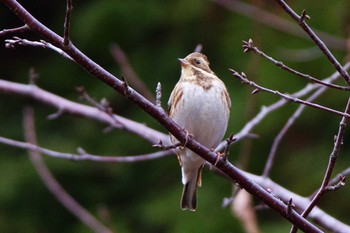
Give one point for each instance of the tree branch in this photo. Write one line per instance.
(278, 23)
(242, 77)
(97, 71)
(248, 46)
(302, 23)
(52, 184)
(331, 163)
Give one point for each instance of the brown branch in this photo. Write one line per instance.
(14, 31)
(285, 128)
(15, 41)
(69, 10)
(70, 107)
(83, 155)
(242, 77)
(127, 70)
(248, 46)
(94, 69)
(329, 223)
(278, 23)
(331, 163)
(301, 21)
(52, 184)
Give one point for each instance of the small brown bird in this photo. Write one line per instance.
(201, 105)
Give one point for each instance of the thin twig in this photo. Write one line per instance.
(69, 107)
(242, 77)
(277, 22)
(84, 156)
(285, 129)
(336, 179)
(249, 46)
(52, 184)
(14, 31)
(198, 48)
(301, 21)
(128, 71)
(331, 163)
(179, 133)
(103, 105)
(15, 41)
(69, 10)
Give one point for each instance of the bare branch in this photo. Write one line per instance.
(301, 21)
(14, 31)
(278, 23)
(242, 77)
(69, 10)
(52, 184)
(285, 129)
(12, 43)
(180, 134)
(331, 163)
(84, 156)
(127, 70)
(248, 46)
(69, 107)
(317, 215)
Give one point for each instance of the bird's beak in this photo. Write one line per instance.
(184, 62)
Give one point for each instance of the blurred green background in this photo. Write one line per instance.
(144, 197)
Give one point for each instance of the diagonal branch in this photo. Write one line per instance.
(277, 22)
(248, 46)
(98, 72)
(331, 163)
(293, 99)
(301, 21)
(52, 184)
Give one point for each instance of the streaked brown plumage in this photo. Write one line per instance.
(201, 105)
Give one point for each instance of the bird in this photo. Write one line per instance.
(200, 104)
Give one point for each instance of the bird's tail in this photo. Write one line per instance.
(189, 192)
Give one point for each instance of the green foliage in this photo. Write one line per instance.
(144, 197)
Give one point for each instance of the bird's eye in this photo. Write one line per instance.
(198, 62)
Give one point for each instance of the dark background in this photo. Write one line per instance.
(144, 197)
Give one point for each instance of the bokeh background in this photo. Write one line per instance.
(144, 197)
